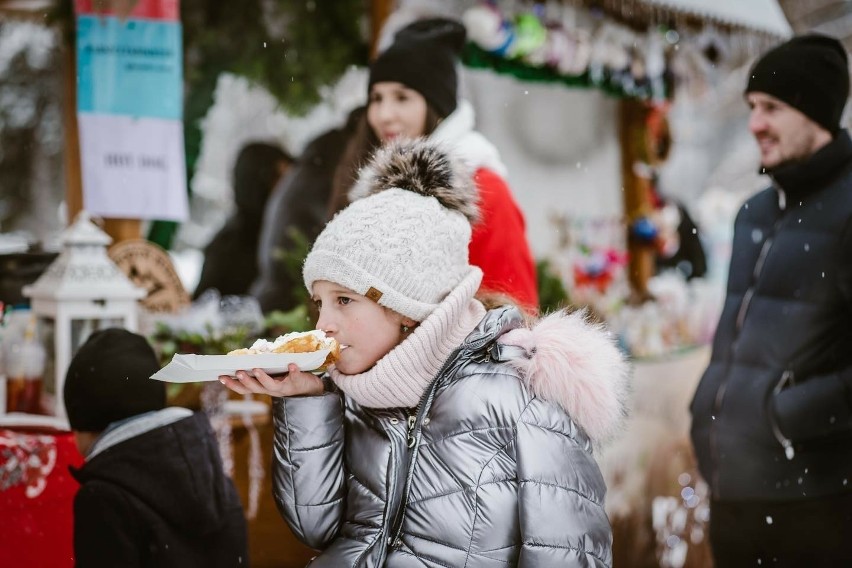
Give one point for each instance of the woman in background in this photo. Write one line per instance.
(413, 92)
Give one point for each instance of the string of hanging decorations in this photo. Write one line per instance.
(627, 52)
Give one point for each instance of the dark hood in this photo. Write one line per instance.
(174, 469)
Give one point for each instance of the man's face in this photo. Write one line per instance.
(783, 134)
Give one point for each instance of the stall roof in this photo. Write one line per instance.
(759, 15)
(25, 8)
(25, 5)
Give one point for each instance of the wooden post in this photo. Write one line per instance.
(119, 229)
(379, 12)
(632, 115)
(73, 174)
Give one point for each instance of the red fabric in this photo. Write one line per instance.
(168, 10)
(499, 244)
(36, 498)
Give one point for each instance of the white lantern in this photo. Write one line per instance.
(82, 291)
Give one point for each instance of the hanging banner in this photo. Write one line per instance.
(130, 109)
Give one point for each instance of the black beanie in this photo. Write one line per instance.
(109, 380)
(423, 57)
(809, 73)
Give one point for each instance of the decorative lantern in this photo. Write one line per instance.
(82, 291)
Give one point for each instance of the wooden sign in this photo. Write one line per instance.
(149, 266)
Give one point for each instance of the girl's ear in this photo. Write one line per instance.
(408, 322)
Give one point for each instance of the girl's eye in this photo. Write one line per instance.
(343, 300)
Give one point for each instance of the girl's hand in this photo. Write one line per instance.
(292, 383)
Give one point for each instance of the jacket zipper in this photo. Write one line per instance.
(395, 540)
(740, 321)
(392, 433)
(786, 443)
(414, 428)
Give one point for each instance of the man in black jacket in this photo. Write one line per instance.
(153, 492)
(772, 416)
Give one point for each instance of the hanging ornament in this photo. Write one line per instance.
(486, 28)
(530, 35)
(643, 231)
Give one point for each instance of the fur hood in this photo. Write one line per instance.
(567, 360)
(424, 167)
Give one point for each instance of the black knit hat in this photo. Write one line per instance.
(109, 380)
(809, 73)
(423, 57)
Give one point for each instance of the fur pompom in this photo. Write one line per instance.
(576, 365)
(422, 167)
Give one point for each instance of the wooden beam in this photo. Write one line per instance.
(636, 194)
(379, 12)
(71, 154)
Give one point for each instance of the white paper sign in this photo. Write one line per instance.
(133, 168)
(198, 368)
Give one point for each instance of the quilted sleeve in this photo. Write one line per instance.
(560, 493)
(308, 476)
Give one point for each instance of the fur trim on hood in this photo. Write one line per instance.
(575, 364)
(422, 167)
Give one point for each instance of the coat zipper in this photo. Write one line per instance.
(740, 321)
(393, 485)
(786, 443)
(414, 428)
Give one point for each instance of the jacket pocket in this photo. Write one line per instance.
(786, 379)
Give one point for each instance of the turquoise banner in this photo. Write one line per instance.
(129, 67)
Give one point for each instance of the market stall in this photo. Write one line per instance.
(586, 183)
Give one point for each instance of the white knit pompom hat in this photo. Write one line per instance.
(403, 242)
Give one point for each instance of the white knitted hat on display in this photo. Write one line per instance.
(403, 242)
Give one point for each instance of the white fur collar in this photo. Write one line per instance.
(456, 131)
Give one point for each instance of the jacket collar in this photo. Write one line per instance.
(815, 171)
(119, 432)
(495, 323)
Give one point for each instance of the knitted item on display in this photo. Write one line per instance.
(400, 378)
(423, 57)
(404, 243)
(809, 73)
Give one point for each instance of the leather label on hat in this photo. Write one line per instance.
(373, 294)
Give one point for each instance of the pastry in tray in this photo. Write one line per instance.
(296, 342)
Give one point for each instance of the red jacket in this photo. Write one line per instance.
(499, 244)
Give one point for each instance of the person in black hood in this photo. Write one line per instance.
(153, 490)
(230, 258)
(296, 213)
(772, 415)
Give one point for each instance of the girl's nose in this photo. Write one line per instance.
(325, 324)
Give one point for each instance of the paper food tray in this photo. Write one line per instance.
(197, 368)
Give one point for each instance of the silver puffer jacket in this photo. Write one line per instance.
(493, 468)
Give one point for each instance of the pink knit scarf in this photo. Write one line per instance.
(400, 378)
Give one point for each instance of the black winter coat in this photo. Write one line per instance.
(300, 204)
(159, 499)
(772, 416)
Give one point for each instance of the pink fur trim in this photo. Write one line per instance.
(575, 364)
